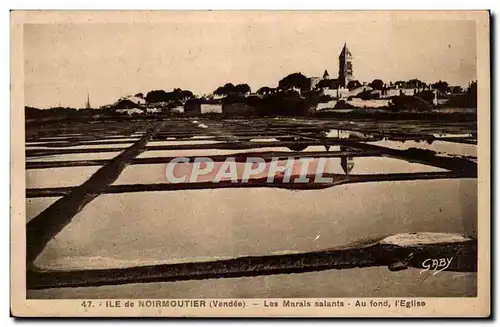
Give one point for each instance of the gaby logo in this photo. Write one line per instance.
(437, 265)
(291, 170)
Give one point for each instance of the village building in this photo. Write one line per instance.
(196, 107)
(131, 111)
(133, 98)
(314, 81)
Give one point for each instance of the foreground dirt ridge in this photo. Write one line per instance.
(385, 252)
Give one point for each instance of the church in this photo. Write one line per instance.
(337, 86)
(345, 86)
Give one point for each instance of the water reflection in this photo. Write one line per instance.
(437, 146)
(398, 141)
(297, 147)
(346, 162)
(348, 134)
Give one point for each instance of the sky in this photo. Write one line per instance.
(62, 62)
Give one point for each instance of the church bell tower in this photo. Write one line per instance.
(345, 66)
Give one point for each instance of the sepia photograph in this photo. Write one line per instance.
(251, 160)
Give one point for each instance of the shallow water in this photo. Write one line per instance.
(104, 140)
(190, 142)
(86, 146)
(347, 134)
(70, 134)
(34, 206)
(444, 147)
(157, 173)
(58, 177)
(203, 152)
(36, 143)
(214, 152)
(152, 227)
(264, 140)
(50, 138)
(202, 137)
(75, 156)
(446, 135)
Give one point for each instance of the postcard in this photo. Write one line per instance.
(250, 163)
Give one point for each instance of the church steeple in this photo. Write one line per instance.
(87, 104)
(345, 66)
(345, 51)
(326, 75)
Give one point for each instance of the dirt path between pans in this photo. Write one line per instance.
(41, 229)
(395, 257)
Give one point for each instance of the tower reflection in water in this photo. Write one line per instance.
(346, 162)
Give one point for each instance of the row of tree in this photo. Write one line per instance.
(302, 82)
(441, 86)
(163, 96)
(231, 89)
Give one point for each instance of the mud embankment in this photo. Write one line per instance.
(395, 257)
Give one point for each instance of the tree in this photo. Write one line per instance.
(227, 89)
(295, 80)
(353, 84)
(328, 83)
(179, 94)
(161, 96)
(468, 99)
(185, 94)
(220, 91)
(441, 86)
(231, 89)
(400, 83)
(427, 95)
(472, 90)
(125, 104)
(377, 84)
(284, 104)
(242, 88)
(368, 95)
(157, 96)
(472, 94)
(265, 90)
(405, 103)
(415, 83)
